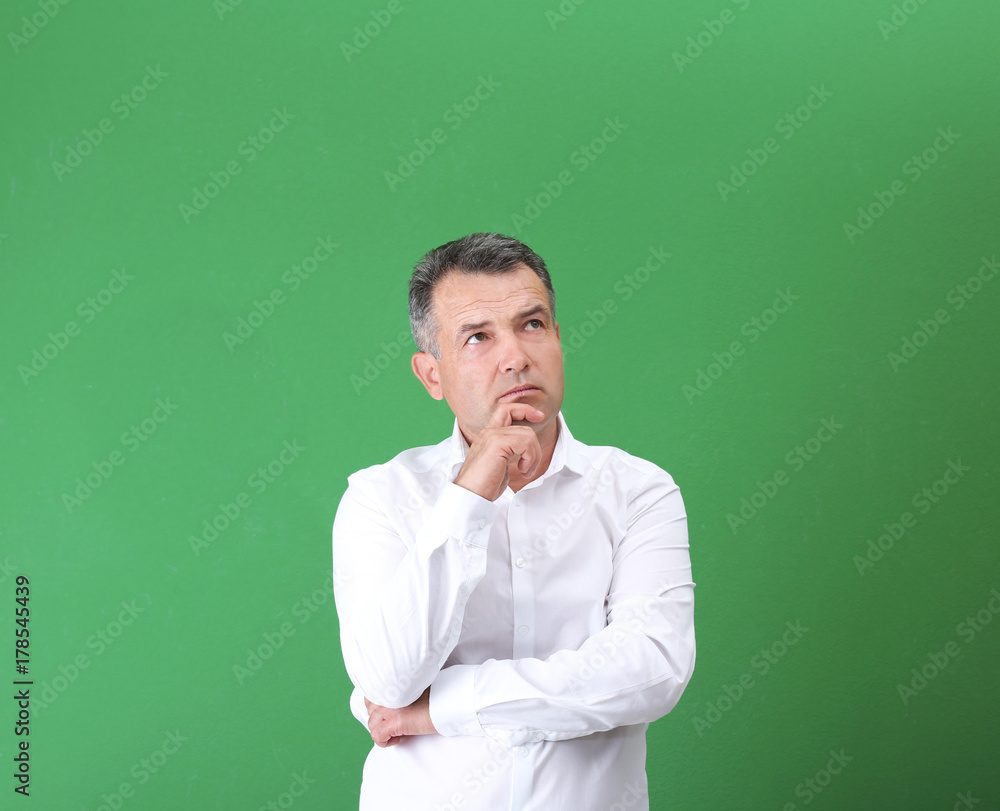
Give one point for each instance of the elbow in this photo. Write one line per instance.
(385, 693)
(392, 689)
(681, 665)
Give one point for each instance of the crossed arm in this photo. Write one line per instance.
(401, 611)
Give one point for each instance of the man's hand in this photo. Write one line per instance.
(388, 726)
(500, 445)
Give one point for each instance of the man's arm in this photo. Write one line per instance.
(633, 671)
(400, 608)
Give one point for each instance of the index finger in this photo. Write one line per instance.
(505, 414)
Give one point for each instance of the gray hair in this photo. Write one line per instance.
(475, 253)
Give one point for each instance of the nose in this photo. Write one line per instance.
(513, 358)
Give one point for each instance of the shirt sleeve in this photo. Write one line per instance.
(632, 671)
(401, 600)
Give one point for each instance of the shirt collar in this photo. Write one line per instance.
(566, 453)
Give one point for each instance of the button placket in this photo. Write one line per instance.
(521, 581)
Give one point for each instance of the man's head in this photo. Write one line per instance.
(482, 311)
(476, 253)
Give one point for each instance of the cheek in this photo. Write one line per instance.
(467, 385)
(554, 359)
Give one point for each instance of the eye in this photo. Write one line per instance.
(536, 321)
(472, 338)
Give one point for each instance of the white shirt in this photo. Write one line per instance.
(553, 624)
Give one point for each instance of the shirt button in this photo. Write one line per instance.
(539, 736)
(523, 630)
(522, 751)
(482, 523)
(520, 563)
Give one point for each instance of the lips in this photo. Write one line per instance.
(520, 390)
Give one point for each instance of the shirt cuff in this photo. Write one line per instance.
(461, 514)
(452, 702)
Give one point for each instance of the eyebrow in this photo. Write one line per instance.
(467, 329)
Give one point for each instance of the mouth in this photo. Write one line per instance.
(520, 390)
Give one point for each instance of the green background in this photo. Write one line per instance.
(327, 371)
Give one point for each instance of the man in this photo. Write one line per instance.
(515, 606)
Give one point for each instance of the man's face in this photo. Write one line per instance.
(495, 334)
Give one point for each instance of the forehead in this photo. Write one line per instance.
(460, 296)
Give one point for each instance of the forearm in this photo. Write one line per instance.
(633, 671)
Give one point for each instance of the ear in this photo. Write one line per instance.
(557, 331)
(425, 367)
